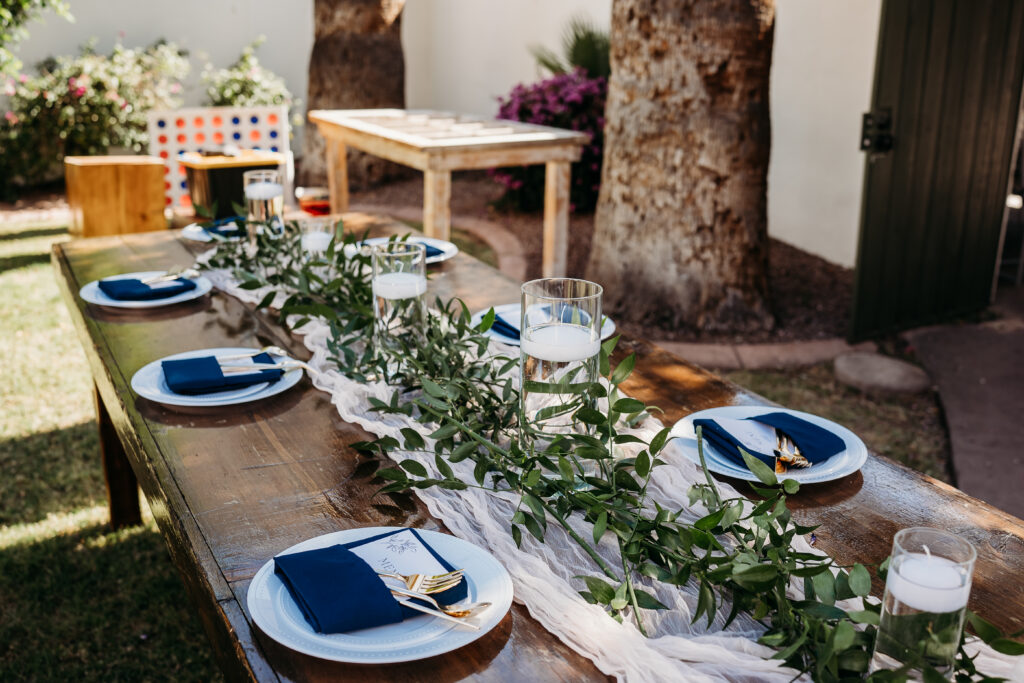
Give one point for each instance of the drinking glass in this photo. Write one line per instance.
(317, 233)
(925, 600)
(560, 345)
(399, 282)
(264, 198)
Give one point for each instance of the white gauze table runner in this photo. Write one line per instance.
(543, 573)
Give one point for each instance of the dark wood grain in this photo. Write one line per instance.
(231, 488)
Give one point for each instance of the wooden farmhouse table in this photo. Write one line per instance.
(438, 143)
(231, 487)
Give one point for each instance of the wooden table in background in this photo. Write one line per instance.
(438, 143)
(231, 487)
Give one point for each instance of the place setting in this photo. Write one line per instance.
(379, 595)
(229, 228)
(436, 250)
(214, 377)
(795, 445)
(507, 320)
(147, 289)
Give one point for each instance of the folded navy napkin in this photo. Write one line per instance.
(815, 443)
(133, 289)
(203, 375)
(504, 328)
(431, 250)
(512, 331)
(337, 591)
(226, 227)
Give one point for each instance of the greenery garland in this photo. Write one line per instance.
(739, 555)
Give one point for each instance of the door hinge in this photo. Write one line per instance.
(876, 131)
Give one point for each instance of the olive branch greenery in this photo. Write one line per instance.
(739, 556)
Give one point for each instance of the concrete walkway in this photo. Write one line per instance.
(979, 370)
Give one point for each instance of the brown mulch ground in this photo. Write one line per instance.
(811, 297)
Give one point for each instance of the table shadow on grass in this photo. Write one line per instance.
(49, 472)
(98, 605)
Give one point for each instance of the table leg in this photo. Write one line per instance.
(556, 219)
(337, 175)
(437, 194)
(122, 486)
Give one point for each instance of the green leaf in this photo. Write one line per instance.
(642, 464)
(985, 630)
(860, 580)
(818, 610)
(565, 469)
(659, 441)
(760, 470)
(535, 505)
(710, 521)
(445, 431)
(627, 406)
(843, 636)
(432, 388)
(517, 536)
(443, 468)
(600, 589)
(487, 321)
(392, 473)
(1007, 647)
(623, 369)
(790, 486)
(647, 601)
(534, 527)
(600, 524)
(825, 587)
(864, 617)
(413, 440)
(755, 576)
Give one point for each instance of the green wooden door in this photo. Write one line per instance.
(948, 77)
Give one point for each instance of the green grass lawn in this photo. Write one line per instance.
(77, 600)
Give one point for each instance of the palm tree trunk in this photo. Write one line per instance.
(357, 63)
(681, 227)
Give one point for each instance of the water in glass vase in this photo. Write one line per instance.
(556, 361)
(398, 298)
(265, 200)
(922, 613)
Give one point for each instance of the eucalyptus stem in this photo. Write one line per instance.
(704, 467)
(632, 594)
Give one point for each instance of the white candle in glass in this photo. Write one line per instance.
(399, 285)
(560, 343)
(928, 583)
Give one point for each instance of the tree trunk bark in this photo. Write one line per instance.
(356, 63)
(681, 228)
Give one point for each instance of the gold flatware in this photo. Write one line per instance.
(172, 274)
(289, 364)
(457, 611)
(272, 350)
(433, 612)
(425, 583)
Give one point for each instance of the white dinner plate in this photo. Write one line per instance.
(448, 249)
(94, 295)
(510, 313)
(197, 233)
(275, 612)
(839, 465)
(149, 382)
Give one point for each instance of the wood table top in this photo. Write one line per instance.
(233, 486)
(439, 130)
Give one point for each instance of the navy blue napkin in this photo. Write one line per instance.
(226, 227)
(337, 591)
(202, 375)
(815, 443)
(133, 289)
(431, 250)
(505, 329)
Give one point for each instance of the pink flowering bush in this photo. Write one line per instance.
(568, 100)
(82, 106)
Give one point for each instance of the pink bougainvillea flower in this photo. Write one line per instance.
(11, 117)
(22, 78)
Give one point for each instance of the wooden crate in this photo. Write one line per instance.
(112, 195)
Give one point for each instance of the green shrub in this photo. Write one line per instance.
(83, 106)
(14, 14)
(246, 83)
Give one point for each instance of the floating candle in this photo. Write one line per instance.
(399, 285)
(928, 583)
(560, 343)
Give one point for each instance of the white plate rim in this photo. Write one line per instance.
(197, 233)
(91, 292)
(265, 587)
(607, 330)
(839, 465)
(448, 249)
(149, 371)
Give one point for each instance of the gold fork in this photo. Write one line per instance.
(425, 583)
(457, 611)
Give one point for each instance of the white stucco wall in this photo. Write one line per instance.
(822, 74)
(462, 54)
(213, 31)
